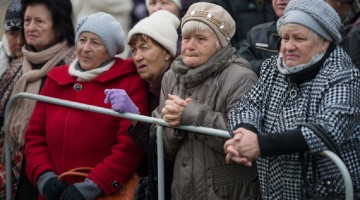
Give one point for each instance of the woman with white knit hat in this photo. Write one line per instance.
(153, 49)
(311, 89)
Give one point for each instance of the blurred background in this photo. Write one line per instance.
(3, 6)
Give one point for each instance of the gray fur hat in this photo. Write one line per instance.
(107, 27)
(316, 15)
(13, 16)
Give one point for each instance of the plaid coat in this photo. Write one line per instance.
(331, 99)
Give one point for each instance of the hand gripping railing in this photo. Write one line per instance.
(160, 123)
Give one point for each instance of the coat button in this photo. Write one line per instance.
(77, 87)
(183, 164)
(116, 184)
(189, 92)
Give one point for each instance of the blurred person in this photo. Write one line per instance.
(176, 7)
(200, 88)
(48, 33)
(56, 144)
(349, 12)
(262, 40)
(10, 51)
(120, 9)
(153, 48)
(247, 14)
(311, 81)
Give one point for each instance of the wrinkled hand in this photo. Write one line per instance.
(243, 148)
(53, 188)
(173, 109)
(120, 101)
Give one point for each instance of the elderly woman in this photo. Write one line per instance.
(56, 141)
(200, 88)
(153, 48)
(10, 49)
(311, 83)
(49, 39)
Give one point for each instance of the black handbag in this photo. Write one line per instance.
(147, 187)
(310, 191)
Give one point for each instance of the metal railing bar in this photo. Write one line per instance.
(160, 151)
(349, 194)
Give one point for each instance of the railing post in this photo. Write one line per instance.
(160, 162)
(349, 193)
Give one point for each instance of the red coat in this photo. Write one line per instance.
(61, 138)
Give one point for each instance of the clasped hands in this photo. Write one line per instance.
(173, 109)
(243, 148)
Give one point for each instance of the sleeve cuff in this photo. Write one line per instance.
(291, 141)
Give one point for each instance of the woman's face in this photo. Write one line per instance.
(151, 59)
(168, 5)
(90, 51)
(298, 47)
(38, 27)
(198, 47)
(15, 42)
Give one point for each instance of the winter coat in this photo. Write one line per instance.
(262, 42)
(200, 170)
(61, 138)
(276, 105)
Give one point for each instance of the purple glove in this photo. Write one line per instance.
(120, 101)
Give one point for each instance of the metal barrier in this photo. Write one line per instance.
(160, 152)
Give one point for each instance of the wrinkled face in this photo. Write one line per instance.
(298, 46)
(90, 51)
(151, 59)
(38, 27)
(198, 47)
(279, 6)
(15, 42)
(168, 5)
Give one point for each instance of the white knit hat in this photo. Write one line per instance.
(177, 2)
(107, 27)
(161, 26)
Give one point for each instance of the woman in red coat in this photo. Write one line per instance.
(60, 138)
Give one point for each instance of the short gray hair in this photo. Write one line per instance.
(317, 37)
(192, 26)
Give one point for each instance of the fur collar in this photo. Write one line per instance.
(215, 64)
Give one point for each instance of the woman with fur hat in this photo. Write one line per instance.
(10, 48)
(200, 88)
(56, 141)
(310, 88)
(153, 49)
(10, 51)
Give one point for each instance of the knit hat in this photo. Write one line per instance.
(216, 17)
(177, 2)
(316, 15)
(107, 28)
(161, 26)
(13, 16)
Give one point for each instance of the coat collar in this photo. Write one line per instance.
(120, 68)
